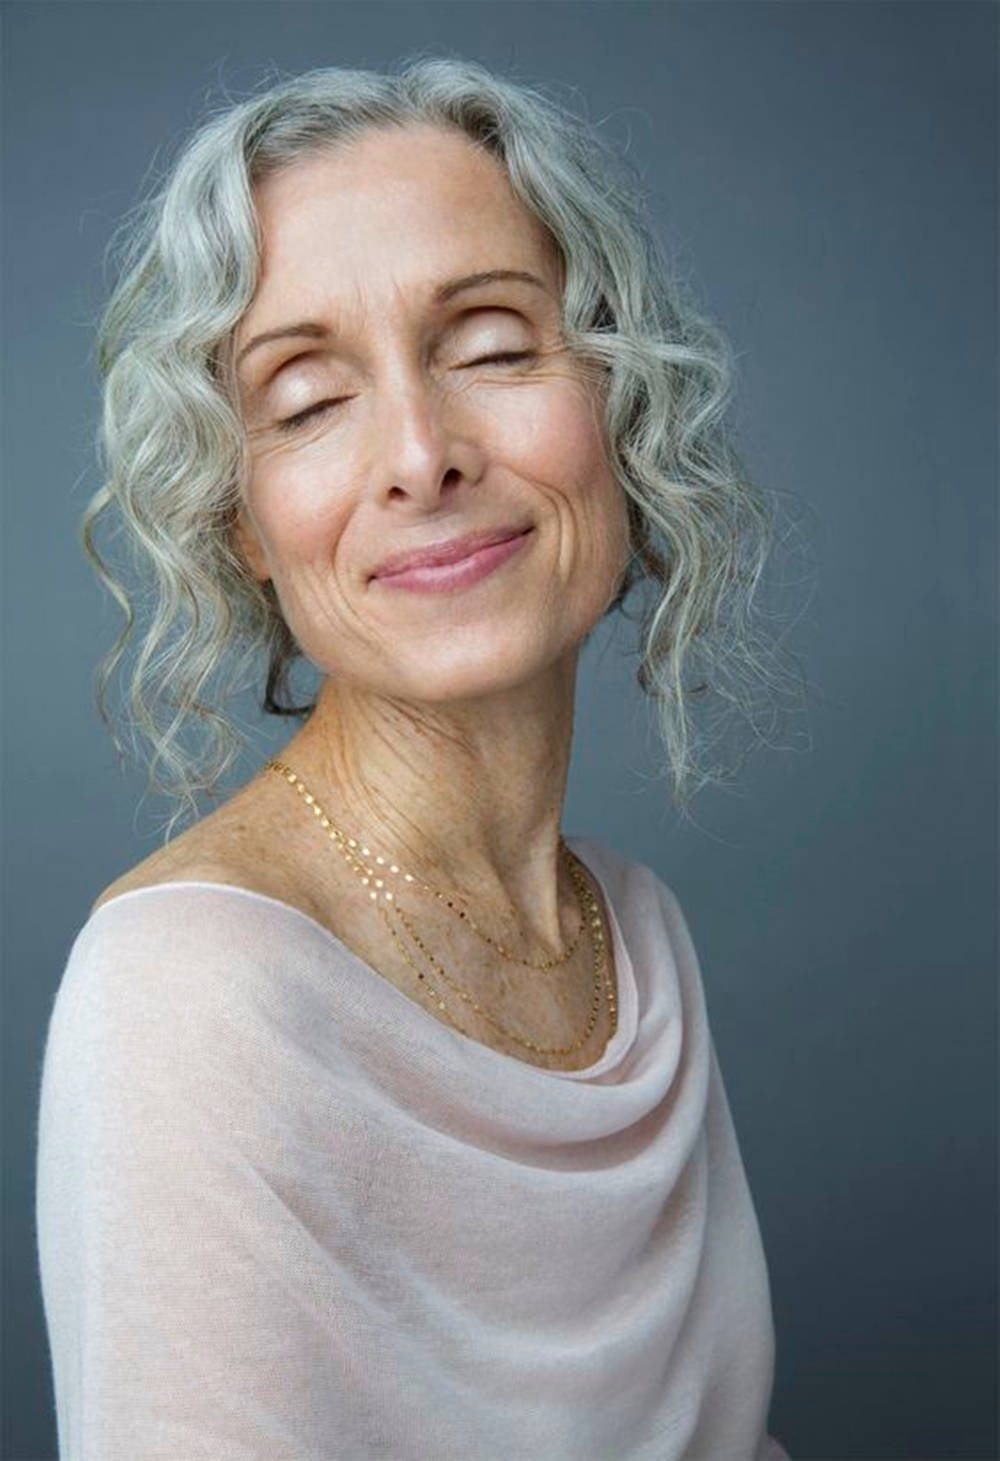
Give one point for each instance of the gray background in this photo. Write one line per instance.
(828, 172)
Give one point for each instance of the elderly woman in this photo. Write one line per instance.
(378, 1118)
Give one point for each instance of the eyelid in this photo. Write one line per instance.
(303, 416)
(318, 349)
(300, 417)
(504, 355)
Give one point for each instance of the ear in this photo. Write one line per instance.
(249, 547)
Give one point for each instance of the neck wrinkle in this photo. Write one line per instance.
(470, 801)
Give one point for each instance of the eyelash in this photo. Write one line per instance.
(292, 423)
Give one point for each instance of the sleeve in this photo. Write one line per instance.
(773, 1450)
(164, 1248)
(754, 1353)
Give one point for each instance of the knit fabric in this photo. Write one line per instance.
(285, 1214)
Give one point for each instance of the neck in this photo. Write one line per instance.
(469, 794)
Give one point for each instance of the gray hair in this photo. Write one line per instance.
(174, 449)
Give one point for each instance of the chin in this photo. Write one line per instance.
(459, 671)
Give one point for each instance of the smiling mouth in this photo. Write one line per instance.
(460, 572)
(451, 550)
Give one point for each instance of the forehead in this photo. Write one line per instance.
(396, 208)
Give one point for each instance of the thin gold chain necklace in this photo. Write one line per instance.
(373, 875)
(385, 900)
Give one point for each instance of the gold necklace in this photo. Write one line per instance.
(373, 876)
(385, 901)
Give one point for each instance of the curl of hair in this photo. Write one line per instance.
(174, 451)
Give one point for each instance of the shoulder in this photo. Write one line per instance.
(156, 871)
(642, 900)
(168, 939)
(626, 877)
(170, 928)
(169, 965)
(233, 846)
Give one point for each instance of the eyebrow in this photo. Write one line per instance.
(311, 330)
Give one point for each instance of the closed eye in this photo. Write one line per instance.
(318, 408)
(290, 423)
(505, 357)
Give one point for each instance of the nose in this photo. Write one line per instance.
(423, 448)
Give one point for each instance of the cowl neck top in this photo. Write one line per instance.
(285, 1212)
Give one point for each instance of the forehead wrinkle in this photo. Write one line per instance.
(303, 259)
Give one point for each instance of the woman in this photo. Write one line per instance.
(377, 1119)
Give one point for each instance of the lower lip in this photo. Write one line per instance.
(442, 577)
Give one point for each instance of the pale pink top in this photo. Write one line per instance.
(284, 1212)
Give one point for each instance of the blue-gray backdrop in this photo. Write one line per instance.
(827, 172)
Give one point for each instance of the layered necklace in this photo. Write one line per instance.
(384, 879)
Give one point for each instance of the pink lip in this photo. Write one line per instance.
(456, 571)
(449, 550)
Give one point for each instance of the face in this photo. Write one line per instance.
(392, 409)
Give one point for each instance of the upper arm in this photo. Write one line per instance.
(163, 1241)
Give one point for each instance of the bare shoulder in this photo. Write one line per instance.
(235, 845)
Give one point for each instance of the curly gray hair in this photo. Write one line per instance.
(174, 448)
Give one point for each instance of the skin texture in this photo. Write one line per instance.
(444, 723)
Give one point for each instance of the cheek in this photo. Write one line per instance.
(298, 515)
(576, 464)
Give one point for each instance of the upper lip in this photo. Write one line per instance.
(448, 550)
